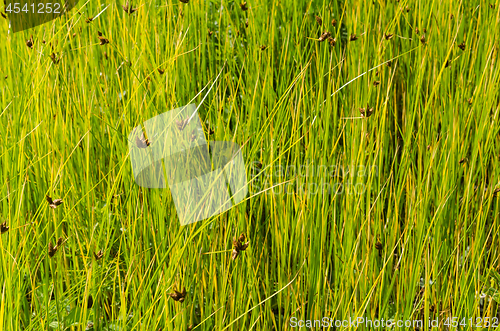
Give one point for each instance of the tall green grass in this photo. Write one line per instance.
(414, 236)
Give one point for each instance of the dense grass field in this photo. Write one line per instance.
(372, 157)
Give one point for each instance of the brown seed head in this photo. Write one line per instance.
(103, 41)
(53, 249)
(324, 36)
(239, 245)
(242, 237)
(178, 296)
(59, 241)
(128, 8)
(53, 203)
(54, 59)
(234, 254)
(243, 5)
(181, 124)
(4, 227)
(99, 255)
(141, 141)
(29, 42)
(319, 20)
(366, 112)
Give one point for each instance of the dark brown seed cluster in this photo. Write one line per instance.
(53, 203)
(141, 141)
(239, 245)
(243, 5)
(102, 40)
(462, 46)
(99, 255)
(128, 8)
(353, 37)
(181, 124)
(29, 42)
(332, 41)
(179, 296)
(89, 19)
(4, 228)
(388, 36)
(379, 246)
(263, 47)
(53, 249)
(319, 20)
(366, 112)
(462, 161)
(334, 22)
(325, 35)
(376, 83)
(161, 71)
(54, 58)
(422, 39)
